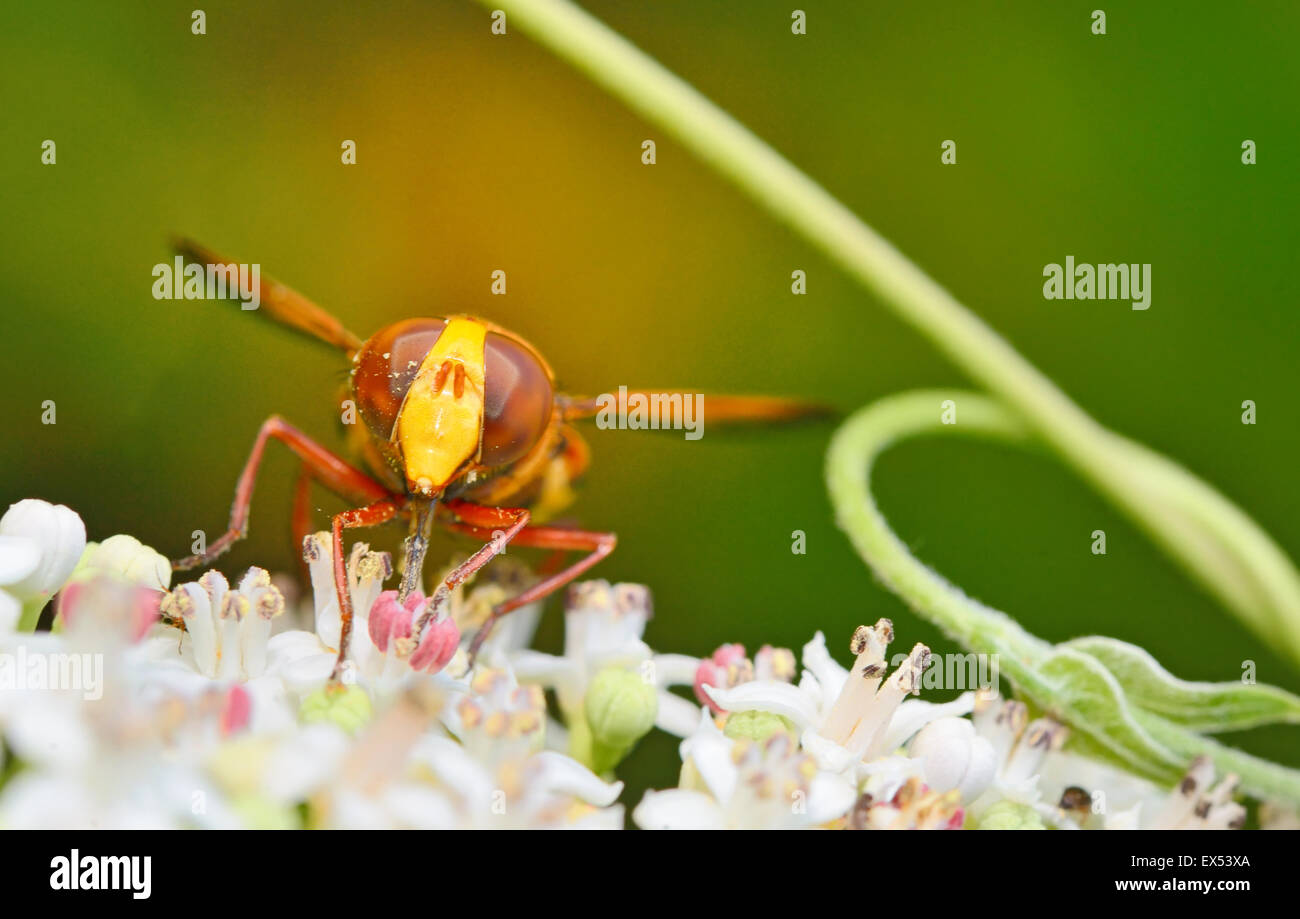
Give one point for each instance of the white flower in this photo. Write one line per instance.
(952, 755)
(382, 656)
(746, 784)
(1021, 748)
(226, 631)
(225, 637)
(458, 791)
(846, 717)
(728, 666)
(603, 625)
(491, 777)
(1093, 794)
(913, 806)
(124, 759)
(56, 537)
(307, 659)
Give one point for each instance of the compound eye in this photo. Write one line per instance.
(386, 366)
(518, 400)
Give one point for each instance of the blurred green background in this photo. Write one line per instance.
(478, 152)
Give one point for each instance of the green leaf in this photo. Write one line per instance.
(1204, 707)
(1091, 701)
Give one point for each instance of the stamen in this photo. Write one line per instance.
(868, 736)
(1002, 723)
(1181, 805)
(859, 689)
(1043, 736)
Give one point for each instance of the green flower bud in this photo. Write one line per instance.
(346, 706)
(126, 558)
(756, 725)
(1010, 815)
(620, 708)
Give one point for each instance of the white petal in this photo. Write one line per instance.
(626, 656)
(566, 776)
(1063, 769)
(45, 801)
(453, 765)
(254, 634)
(536, 667)
(676, 809)
(675, 669)
(304, 762)
(271, 709)
(10, 612)
(882, 778)
(829, 674)
(953, 755)
(710, 751)
(676, 716)
(603, 818)
(307, 673)
(420, 807)
(982, 771)
(351, 810)
(286, 647)
(829, 797)
(828, 755)
(767, 696)
(47, 729)
(1125, 819)
(200, 630)
(915, 714)
(19, 558)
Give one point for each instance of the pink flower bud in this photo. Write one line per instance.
(439, 643)
(390, 620)
(718, 671)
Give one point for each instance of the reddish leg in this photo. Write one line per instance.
(329, 469)
(597, 545)
(372, 515)
(500, 524)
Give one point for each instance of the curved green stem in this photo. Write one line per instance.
(1073, 687)
(1214, 541)
(852, 454)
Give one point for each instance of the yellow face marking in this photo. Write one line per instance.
(437, 430)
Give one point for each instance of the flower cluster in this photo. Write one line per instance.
(202, 705)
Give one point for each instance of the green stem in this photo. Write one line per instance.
(982, 629)
(1215, 542)
(31, 614)
(849, 463)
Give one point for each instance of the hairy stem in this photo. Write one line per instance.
(1024, 658)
